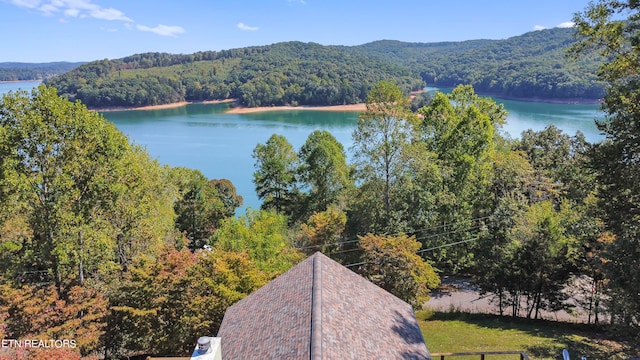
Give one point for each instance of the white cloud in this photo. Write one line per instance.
(567, 24)
(73, 8)
(85, 9)
(48, 9)
(243, 26)
(108, 14)
(303, 2)
(31, 4)
(164, 30)
(72, 12)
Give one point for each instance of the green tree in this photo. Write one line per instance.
(495, 269)
(384, 131)
(227, 193)
(165, 303)
(459, 132)
(61, 161)
(323, 231)
(612, 29)
(200, 207)
(391, 262)
(323, 169)
(275, 176)
(264, 235)
(546, 257)
(561, 158)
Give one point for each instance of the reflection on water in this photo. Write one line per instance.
(203, 137)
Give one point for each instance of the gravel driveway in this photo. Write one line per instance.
(457, 293)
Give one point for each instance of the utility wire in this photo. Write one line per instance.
(428, 249)
(416, 231)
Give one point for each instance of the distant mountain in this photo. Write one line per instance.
(17, 71)
(533, 66)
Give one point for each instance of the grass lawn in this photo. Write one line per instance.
(462, 332)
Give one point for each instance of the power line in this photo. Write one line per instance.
(415, 231)
(449, 232)
(428, 249)
(447, 245)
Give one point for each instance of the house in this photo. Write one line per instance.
(319, 309)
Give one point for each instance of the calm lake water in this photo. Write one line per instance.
(220, 145)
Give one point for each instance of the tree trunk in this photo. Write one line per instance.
(80, 265)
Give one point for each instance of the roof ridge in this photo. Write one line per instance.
(316, 308)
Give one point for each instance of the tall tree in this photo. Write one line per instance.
(384, 131)
(200, 208)
(561, 158)
(612, 28)
(61, 160)
(323, 169)
(275, 175)
(459, 131)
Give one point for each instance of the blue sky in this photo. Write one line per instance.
(85, 30)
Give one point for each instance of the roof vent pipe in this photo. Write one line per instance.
(207, 348)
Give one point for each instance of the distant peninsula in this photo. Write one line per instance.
(19, 71)
(531, 66)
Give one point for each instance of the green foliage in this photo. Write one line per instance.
(391, 262)
(12, 71)
(61, 161)
(323, 170)
(165, 304)
(200, 206)
(610, 28)
(264, 235)
(275, 176)
(383, 133)
(459, 131)
(532, 65)
(561, 158)
(323, 231)
(257, 76)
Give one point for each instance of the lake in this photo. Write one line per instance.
(202, 136)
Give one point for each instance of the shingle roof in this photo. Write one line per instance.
(321, 310)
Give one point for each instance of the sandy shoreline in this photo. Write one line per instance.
(161, 106)
(246, 110)
(346, 108)
(240, 109)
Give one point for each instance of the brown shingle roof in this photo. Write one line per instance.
(321, 310)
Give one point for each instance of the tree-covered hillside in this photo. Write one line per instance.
(533, 65)
(285, 73)
(16, 71)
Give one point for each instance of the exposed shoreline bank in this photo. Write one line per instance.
(160, 106)
(248, 110)
(347, 108)
(240, 109)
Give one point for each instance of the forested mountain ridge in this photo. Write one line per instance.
(18, 71)
(533, 65)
